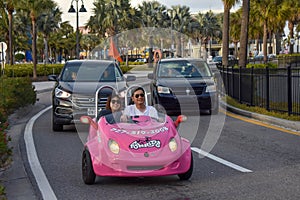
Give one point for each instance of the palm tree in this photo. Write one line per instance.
(35, 8)
(209, 28)
(235, 29)
(294, 18)
(244, 33)
(62, 39)
(151, 13)
(46, 24)
(21, 31)
(228, 4)
(10, 7)
(266, 12)
(180, 18)
(3, 22)
(110, 15)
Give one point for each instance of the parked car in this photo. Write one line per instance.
(142, 146)
(144, 60)
(217, 60)
(260, 57)
(182, 85)
(73, 93)
(231, 60)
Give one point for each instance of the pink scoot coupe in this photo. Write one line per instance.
(140, 147)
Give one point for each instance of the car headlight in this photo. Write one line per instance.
(173, 145)
(61, 94)
(113, 146)
(163, 90)
(211, 88)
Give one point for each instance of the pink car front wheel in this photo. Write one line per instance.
(88, 174)
(187, 175)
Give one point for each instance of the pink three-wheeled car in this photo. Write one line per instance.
(142, 146)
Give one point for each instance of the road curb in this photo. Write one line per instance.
(294, 125)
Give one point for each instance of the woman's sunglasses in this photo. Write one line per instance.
(115, 101)
(139, 95)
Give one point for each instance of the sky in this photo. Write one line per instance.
(194, 5)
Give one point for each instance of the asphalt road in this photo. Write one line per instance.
(242, 161)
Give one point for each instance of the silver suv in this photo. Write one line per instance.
(76, 85)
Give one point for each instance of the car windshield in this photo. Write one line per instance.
(184, 68)
(140, 120)
(90, 72)
(217, 59)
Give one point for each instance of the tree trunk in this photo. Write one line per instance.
(178, 45)
(225, 45)
(291, 29)
(244, 34)
(34, 59)
(265, 38)
(46, 57)
(11, 51)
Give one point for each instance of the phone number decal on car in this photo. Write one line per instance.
(138, 132)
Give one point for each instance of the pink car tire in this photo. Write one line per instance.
(187, 175)
(88, 174)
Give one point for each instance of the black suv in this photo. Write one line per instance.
(183, 86)
(76, 85)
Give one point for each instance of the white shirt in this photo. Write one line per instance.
(132, 110)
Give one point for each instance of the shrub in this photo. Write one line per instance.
(26, 70)
(14, 93)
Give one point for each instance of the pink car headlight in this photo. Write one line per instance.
(173, 145)
(113, 146)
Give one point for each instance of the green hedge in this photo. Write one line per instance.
(26, 70)
(14, 93)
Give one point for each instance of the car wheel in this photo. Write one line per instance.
(88, 174)
(56, 127)
(187, 175)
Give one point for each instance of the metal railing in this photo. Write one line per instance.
(275, 89)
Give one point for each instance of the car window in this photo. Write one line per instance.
(68, 74)
(186, 69)
(92, 72)
(202, 68)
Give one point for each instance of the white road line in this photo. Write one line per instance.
(34, 162)
(220, 160)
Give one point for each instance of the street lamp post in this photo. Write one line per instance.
(72, 10)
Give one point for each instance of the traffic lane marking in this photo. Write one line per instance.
(221, 160)
(259, 123)
(36, 168)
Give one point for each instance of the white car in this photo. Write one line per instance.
(141, 60)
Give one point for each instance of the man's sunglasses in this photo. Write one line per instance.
(115, 101)
(139, 95)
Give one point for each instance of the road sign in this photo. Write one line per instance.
(3, 46)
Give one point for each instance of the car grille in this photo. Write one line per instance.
(142, 168)
(188, 90)
(88, 101)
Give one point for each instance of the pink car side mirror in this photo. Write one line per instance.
(180, 118)
(89, 120)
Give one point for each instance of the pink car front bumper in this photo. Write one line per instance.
(128, 166)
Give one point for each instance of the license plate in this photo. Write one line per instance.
(91, 111)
